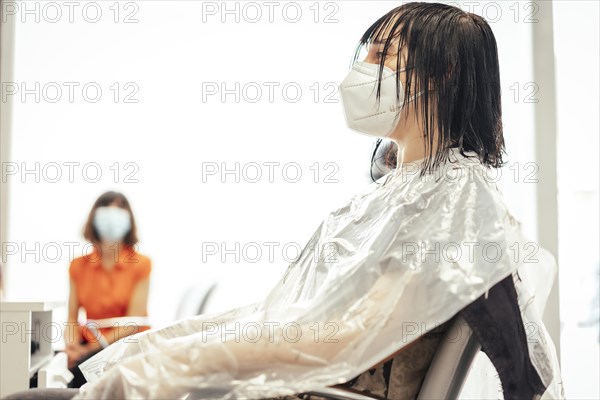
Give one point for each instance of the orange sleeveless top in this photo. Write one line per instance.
(107, 293)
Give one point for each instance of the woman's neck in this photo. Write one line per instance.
(412, 150)
(410, 138)
(110, 253)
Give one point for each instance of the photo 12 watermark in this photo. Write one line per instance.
(70, 172)
(70, 12)
(268, 172)
(70, 92)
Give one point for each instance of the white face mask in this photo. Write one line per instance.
(112, 223)
(358, 93)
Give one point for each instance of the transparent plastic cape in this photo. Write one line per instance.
(398, 259)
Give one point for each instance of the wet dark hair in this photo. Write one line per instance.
(456, 52)
(106, 199)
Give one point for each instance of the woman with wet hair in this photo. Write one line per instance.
(429, 86)
(446, 64)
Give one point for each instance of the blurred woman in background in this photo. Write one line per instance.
(112, 281)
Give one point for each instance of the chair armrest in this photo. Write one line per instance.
(451, 363)
(339, 394)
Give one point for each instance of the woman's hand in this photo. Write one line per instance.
(109, 386)
(173, 367)
(162, 374)
(75, 351)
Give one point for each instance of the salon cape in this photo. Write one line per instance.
(438, 242)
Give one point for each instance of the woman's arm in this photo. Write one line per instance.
(73, 347)
(72, 334)
(138, 306)
(173, 370)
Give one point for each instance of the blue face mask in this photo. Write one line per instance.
(112, 223)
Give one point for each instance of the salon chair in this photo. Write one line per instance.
(195, 299)
(447, 373)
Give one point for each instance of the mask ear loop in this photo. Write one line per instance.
(416, 95)
(380, 140)
(412, 98)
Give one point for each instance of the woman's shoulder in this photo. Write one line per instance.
(83, 260)
(468, 174)
(79, 264)
(141, 263)
(140, 258)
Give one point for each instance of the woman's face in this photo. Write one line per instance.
(375, 52)
(374, 55)
(112, 222)
(116, 203)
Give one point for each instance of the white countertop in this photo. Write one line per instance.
(30, 305)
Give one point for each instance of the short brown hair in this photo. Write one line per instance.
(106, 199)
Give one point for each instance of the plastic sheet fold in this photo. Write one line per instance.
(398, 259)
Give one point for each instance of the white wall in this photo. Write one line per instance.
(576, 34)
